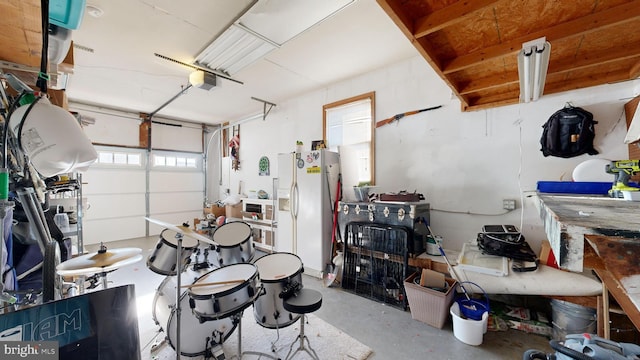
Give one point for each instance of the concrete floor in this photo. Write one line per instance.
(389, 331)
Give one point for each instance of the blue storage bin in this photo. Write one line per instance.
(575, 187)
(66, 13)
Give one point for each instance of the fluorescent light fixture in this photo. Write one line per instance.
(263, 28)
(202, 80)
(533, 61)
(234, 50)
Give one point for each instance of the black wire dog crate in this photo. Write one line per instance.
(376, 262)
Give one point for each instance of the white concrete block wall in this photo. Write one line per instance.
(465, 163)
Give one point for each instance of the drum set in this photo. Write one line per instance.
(222, 281)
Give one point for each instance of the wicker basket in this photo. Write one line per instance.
(428, 305)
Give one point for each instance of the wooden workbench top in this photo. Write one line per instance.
(605, 215)
(568, 218)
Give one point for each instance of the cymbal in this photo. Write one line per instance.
(185, 230)
(99, 262)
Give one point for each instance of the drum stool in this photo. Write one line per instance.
(303, 302)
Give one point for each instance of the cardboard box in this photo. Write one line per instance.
(215, 210)
(234, 211)
(546, 255)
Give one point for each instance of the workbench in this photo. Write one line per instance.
(567, 218)
(603, 234)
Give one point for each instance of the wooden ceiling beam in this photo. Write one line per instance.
(450, 15)
(586, 81)
(491, 82)
(566, 65)
(635, 71)
(586, 24)
(488, 102)
(596, 59)
(402, 20)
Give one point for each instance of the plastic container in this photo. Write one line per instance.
(52, 139)
(59, 44)
(62, 221)
(433, 244)
(569, 318)
(471, 308)
(361, 193)
(574, 187)
(428, 305)
(468, 331)
(66, 13)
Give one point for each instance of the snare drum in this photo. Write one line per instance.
(224, 292)
(234, 243)
(280, 273)
(163, 259)
(193, 333)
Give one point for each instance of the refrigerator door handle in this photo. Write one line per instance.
(294, 200)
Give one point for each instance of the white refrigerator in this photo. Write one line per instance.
(307, 185)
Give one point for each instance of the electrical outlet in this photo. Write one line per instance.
(509, 204)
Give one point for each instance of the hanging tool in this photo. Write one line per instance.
(330, 271)
(400, 116)
(454, 275)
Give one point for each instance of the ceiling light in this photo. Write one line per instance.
(94, 11)
(263, 28)
(533, 61)
(234, 50)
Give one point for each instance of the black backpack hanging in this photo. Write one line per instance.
(569, 132)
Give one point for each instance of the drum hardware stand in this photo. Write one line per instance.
(204, 264)
(237, 319)
(178, 288)
(72, 290)
(93, 281)
(215, 351)
(156, 345)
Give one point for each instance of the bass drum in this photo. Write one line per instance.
(193, 333)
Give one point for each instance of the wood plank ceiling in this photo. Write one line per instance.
(473, 44)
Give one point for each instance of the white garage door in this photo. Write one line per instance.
(176, 188)
(126, 185)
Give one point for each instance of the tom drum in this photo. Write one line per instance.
(234, 243)
(193, 333)
(281, 275)
(224, 292)
(163, 259)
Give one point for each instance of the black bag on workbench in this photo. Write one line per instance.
(569, 132)
(518, 250)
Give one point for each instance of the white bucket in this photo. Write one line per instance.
(52, 139)
(468, 331)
